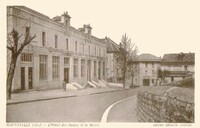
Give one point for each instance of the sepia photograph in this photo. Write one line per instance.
(101, 63)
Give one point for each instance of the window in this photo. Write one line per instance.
(99, 52)
(66, 61)
(145, 72)
(43, 39)
(26, 57)
(146, 65)
(43, 67)
(56, 41)
(67, 44)
(152, 65)
(172, 79)
(76, 46)
(89, 50)
(117, 71)
(95, 71)
(185, 67)
(55, 67)
(75, 67)
(83, 48)
(82, 68)
(152, 81)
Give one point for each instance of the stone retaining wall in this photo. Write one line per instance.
(153, 107)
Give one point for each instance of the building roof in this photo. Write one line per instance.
(148, 57)
(111, 46)
(31, 10)
(179, 57)
(57, 18)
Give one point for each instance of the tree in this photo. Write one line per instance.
(128, 52)
(132, 69)
(162, 74)
(16, 48)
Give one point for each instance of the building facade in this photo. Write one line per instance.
(178, 66)
(114, 61)
(146, 66)
(59, 51)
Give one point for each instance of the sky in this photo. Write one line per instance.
(155, 26)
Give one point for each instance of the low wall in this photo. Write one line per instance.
(165, 106)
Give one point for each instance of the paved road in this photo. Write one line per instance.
(88, 108)
(124, 111)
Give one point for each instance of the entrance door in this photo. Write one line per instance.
(30, 77)
(88, 71)
(66, 75)
(89, 74)
(99, 71)
(146, 82)
(22, 78)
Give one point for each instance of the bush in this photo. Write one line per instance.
(187, 82)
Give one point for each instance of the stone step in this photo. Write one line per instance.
(78, 86)
(92, 84)
(102, 84)
(97, 84)
(70, 87)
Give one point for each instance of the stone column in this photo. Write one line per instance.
(36, 66)
(71, 69)
(61, 68)
(49, 67)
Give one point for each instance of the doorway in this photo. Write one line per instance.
(22, 78)
(99, 70)
(88, 70)
(146, 82)
(66, 75)
(26, 78)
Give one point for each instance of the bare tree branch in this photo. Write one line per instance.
(10, 48)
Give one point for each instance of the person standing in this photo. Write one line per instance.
(64, 85)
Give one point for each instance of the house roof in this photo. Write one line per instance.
(179, 57)
(111, 46)
(148, 57)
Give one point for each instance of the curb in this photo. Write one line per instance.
(59, 97)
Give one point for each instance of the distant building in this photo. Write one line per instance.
(59, 52)
(147, 66)
(178, 65)
(114, 61)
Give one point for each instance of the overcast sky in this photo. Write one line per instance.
(155, 26)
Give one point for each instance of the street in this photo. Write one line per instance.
(89, 108)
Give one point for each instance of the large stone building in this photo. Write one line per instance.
(59, 52)
(178, 66)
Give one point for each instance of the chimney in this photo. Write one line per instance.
(65, 19)
(87, 29)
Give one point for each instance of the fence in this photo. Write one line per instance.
(163, 108)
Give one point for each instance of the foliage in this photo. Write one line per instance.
(162, 74)
(128, 52)
(187, 82)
